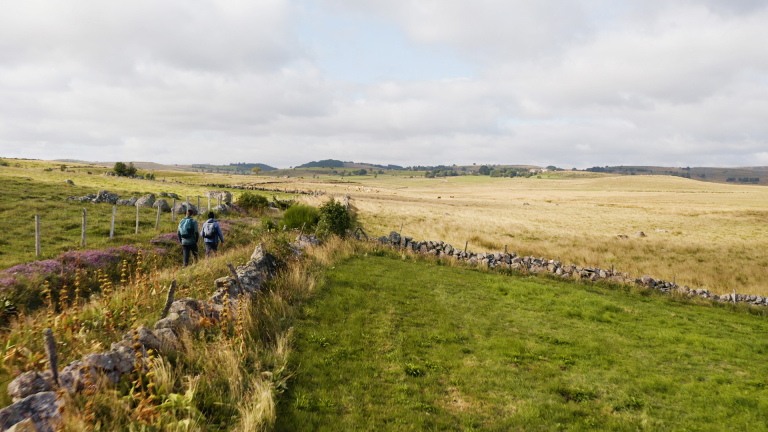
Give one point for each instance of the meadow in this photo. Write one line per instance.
(705, 235)
(404, 343)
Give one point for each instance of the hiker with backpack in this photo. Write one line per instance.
(211, 235)
(188, 236)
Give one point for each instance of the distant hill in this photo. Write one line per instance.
(326, 163)
(742, 175)
(250, 166)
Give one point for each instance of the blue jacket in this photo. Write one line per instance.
(217, 233)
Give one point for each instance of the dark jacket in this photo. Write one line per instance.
(217, 233)
(192, 240)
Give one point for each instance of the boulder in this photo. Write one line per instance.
(307, 240)
(181, 207)
(169, 195)
(394, 237)
(146, 201)
(104, 196)
(29, 383)
(162, 204)
(123, 202)
(225, 196)
(69, 182)
(640, 234)
(221, 209)
(41, 408)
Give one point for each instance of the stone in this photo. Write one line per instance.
(181, 208)
(394, 237)
(132, 201)
(162, 204)
(123, 202)
(622, 236)
(41, 408)
(307, 240)
(146, 201)
(69, 182)
(104, 196)
(29, 383)
(184, 314)
(226, 197)
(23, 426)
(648, 281)
(169, 195)
(221, 209)
(640, 234)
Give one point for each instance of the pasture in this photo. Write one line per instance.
(393, 343)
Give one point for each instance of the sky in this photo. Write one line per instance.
(574, 83)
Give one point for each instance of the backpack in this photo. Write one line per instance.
(209, 230)
(187, 228)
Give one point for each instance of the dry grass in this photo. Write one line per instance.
(703, 234)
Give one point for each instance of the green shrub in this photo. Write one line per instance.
(3, 163)
(299, 215)
(334, 219)
(252, 201)
(267, 223)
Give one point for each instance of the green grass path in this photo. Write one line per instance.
(402, 345)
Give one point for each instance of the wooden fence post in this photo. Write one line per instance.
(465, 246)
(209, 203)
(37, 235)
(82, 239)
(112, 227)
(198, 207)
(173, 211)
(137, 219)
(157, 222)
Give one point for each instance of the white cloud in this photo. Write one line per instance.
(580, 83)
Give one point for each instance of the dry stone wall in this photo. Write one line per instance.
(543, 265)
(34, 393)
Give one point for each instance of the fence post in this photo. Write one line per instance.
(37, 235)
(137, 219)
(198, 207)
(112, 227)
(465, 245)
(82, 239)
(209, 203)
(187, 206)
(173, 211)
(157, 222)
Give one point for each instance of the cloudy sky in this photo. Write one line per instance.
(572, 83)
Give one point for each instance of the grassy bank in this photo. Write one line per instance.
(396, 344)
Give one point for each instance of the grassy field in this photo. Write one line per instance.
(397, 344)
(26, 191)
(705, 235)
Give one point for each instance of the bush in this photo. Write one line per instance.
(252, 201)
(334, 219)
(122, 169)
(267, 223)
(3, 163)
(299, 215)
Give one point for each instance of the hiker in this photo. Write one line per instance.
(211, 235)
(188, 236)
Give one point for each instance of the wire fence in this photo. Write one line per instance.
(119, 221)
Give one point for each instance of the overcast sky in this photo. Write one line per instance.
(572, 83)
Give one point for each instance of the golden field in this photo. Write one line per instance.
(705, 235)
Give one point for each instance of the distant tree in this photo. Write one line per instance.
(130, 170)
(63, 167)
(256, 170)
(484, 170)
(120, 168)
(463, 168)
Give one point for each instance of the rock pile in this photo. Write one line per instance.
(34, 393)
(543, 265)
